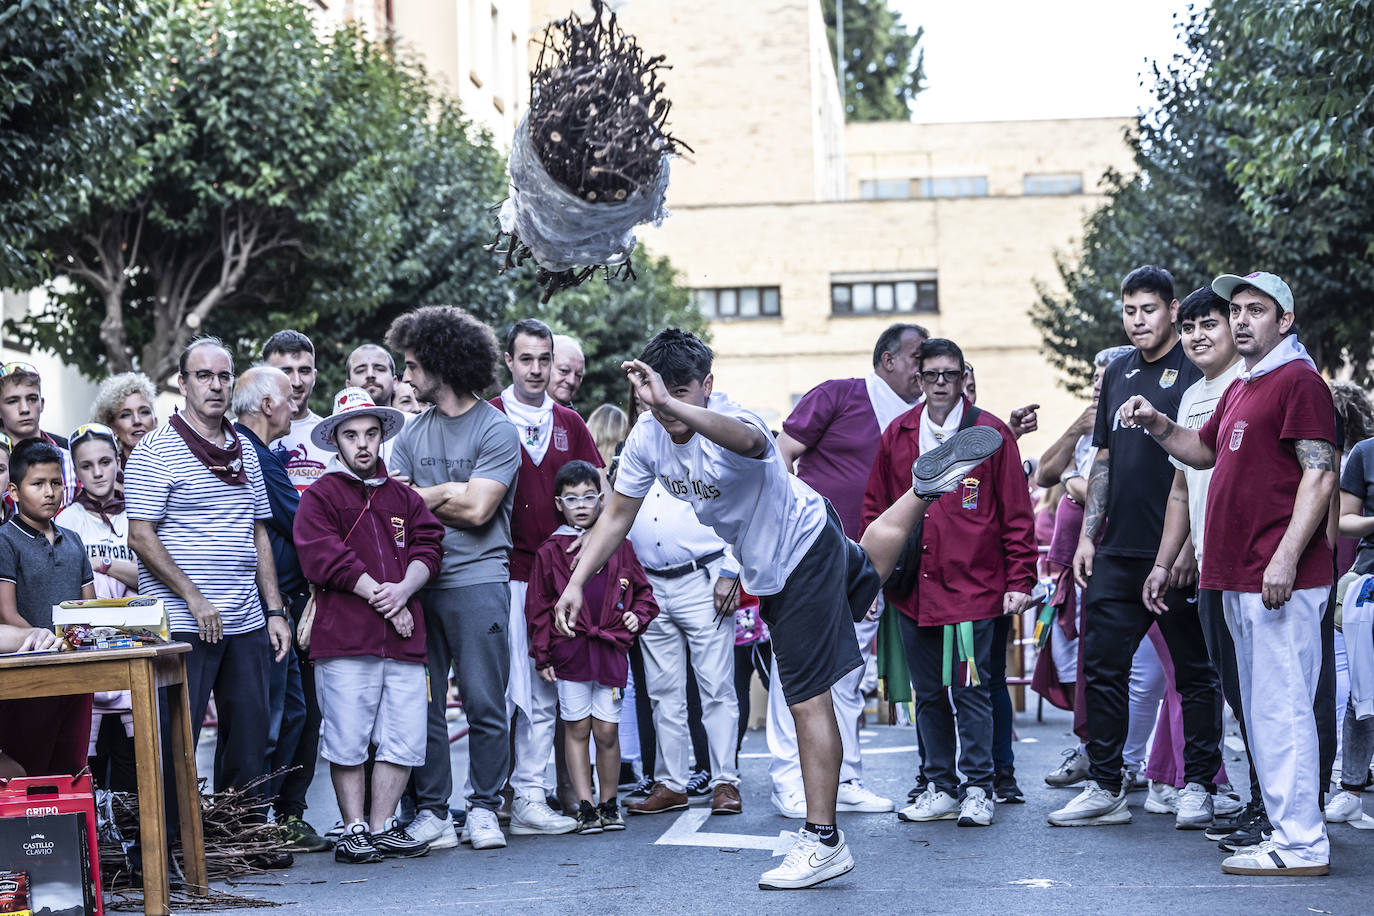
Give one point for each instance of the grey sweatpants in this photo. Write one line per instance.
(465, 627)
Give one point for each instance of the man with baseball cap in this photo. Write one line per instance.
(368, 543)
(1271, 441)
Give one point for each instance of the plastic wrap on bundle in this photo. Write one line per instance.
(562, 230)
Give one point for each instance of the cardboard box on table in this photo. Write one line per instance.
(124, 615)
(48, 830)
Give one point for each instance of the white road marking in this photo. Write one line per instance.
(686, 831)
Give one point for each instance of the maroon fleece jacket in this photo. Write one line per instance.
(345, 528)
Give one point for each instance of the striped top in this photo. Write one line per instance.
(205, 524)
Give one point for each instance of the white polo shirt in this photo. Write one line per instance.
(768, 517)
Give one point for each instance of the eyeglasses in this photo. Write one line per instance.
(93, 431)
(586, 499)
(933, 376)
(205, 376)
(9, 369)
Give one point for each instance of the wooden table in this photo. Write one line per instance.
(141, 672)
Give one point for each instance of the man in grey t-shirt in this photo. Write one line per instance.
(462, 456)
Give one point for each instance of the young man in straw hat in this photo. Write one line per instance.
(368, 543)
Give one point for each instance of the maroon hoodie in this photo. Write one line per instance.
(345, 528)
(598, 650)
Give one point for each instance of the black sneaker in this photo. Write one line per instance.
(941, 469)
(588, 821)
(301, 837)
(395, 843)
(643, 788)
(1005, 789)
(355, 847)
(1252, 828)
(628, 779)
(919, 789)
(611, 818)
(699, 786)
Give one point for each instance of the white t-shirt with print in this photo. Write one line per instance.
(769, 517)
(102, 543)
(305, 461)
(1196, 406)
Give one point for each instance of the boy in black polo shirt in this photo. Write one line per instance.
(42, 565)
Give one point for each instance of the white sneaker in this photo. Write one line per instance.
(1134, 780)
(1163, 799)
(1227, 803)
(1343, 808)
(483, 831)
(931, 805)
(1268, 859)
(808, 863)
(854, 797)
(437, 831)
(791, 804)
(976, 808)
(530, 815)
(1194, 808)
(1093, 807)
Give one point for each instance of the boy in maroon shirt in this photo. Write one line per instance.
(1271, 441)
(590, 667)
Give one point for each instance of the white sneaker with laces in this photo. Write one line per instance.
(429, 828)
(530, 815)
(483, 831)
(1227, 803)
(853, 796)
(1343, 808)
(1194, 808)
(1093, 807)
(791, 803)
(976, 808)
(1163, 799)
(1268, 859)
(808, 863)
(931, 805)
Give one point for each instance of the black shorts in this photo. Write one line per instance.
(810, 619)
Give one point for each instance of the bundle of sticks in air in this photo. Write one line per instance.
(235, 831)
(590, 158)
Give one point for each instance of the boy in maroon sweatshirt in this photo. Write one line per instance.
(367, 543)
(591, 666)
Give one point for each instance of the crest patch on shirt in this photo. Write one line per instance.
(1237, 434)
(1167, 378)
(970, 492)
(398, 530)
(560, 439)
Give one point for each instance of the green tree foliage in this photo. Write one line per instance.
(64, 65)
(1184, 208)
(884, 66)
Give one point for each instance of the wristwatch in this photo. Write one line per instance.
(277, 612)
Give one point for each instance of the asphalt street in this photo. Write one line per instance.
(690, 862)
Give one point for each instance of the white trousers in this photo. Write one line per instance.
(1148, 685)
(847, 696)
(1279, 658)
(687, 620)
(531, 699)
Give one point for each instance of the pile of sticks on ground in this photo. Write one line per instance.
(235, 831)
(597, 122)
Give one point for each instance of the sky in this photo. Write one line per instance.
(995, 60)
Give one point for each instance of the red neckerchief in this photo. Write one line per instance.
(113, 505)
(224, 463)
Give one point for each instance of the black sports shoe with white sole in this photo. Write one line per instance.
(941, 469)
(395, 842)
(355, 847)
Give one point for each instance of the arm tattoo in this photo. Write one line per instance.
(1096, 511)
(1169, 427)
(1315, 454)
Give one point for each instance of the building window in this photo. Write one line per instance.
(1041, 185)
(885, 190)
(733, 302)
(878, 294)
(954, 187)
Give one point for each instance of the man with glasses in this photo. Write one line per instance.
(21, 408)
(551, 435)
(977, 556)
(197, 510)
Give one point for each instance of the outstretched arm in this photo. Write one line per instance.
(727, 432)
(1180, 442)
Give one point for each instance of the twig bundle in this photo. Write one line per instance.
(597, 126)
